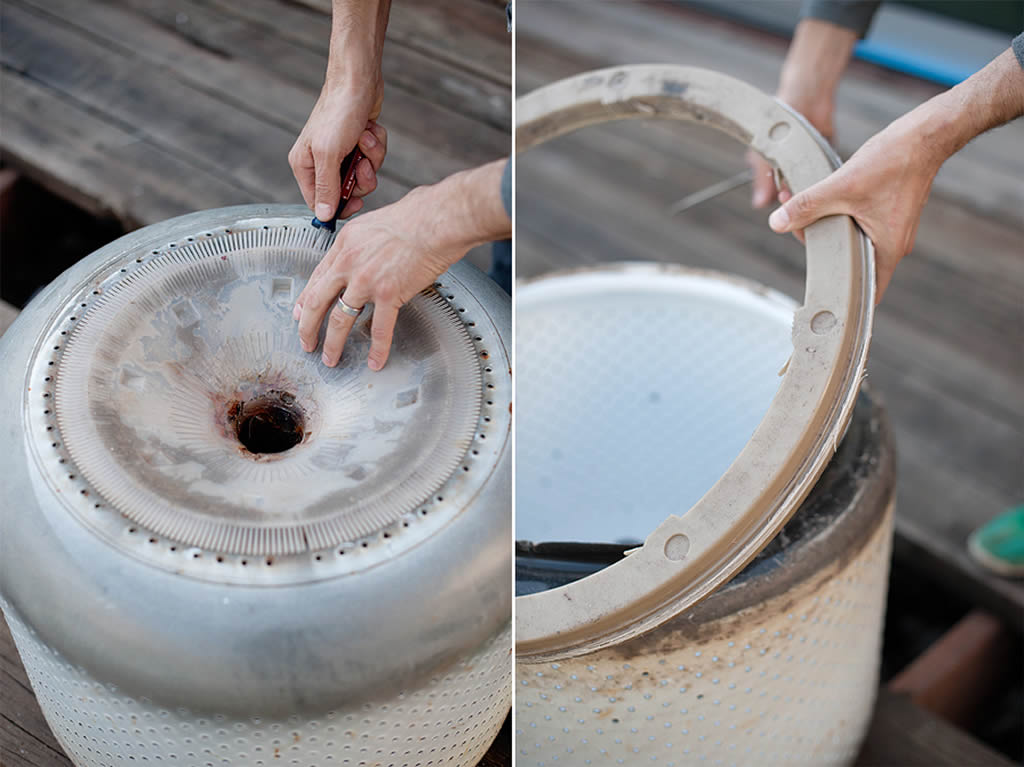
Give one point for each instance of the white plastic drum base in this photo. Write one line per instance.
(450, 721)
(790, 681)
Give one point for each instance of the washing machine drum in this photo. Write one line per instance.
(203, 517)
(681, 414)
(670, 423)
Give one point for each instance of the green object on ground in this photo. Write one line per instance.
(999, 544)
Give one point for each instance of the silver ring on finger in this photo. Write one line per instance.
(351, 311)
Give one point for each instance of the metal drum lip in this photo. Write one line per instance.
(647, 276)
(306, 566)
(177, 639)
(831, 334)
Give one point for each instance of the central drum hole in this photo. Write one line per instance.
(271, 423)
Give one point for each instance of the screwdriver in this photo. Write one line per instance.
(713, 191)
(348, 185)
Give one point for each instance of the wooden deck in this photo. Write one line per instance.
(147, 109)
(142, 110)
(947, 348)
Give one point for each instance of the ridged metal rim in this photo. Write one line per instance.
(88, 358)
(224, 553)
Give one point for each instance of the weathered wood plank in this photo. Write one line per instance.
(903, 734)
(190, 123)
(451, 82)
(471, 36)
(937, 546)
(259, 72)
(296, 55)
(237, 121)
(433, 111)
(954, 677)
(100, 166)
(106, 170)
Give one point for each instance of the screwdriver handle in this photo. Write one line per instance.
(348, 184)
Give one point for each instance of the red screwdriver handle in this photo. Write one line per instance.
(348, 185)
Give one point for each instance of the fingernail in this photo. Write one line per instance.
(297, 312)
(369, 140)
(326, 360)
(307, 347)
(779, 220)
(324, 212)
(373, 364)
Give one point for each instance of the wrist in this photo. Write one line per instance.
(939, 128)
(463, 211)
(352, 65)
(987, 99)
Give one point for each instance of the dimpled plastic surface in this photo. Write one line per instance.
(632, 402)
(450, 720)
(790, 681)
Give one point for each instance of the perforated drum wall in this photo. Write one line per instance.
(790, 681)
(451, 720)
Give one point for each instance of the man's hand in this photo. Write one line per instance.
(810, 76)
(885, 185)
(387, 256)
(332, 131)
(346, 112)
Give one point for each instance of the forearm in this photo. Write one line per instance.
(819, 52)
(467, 209)
(987, 99)
(810, 75)
(357, 41)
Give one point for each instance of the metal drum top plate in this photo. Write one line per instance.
(143, 382)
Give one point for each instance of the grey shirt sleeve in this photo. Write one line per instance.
(506, 187)
(851, 14)
(1018, 49)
